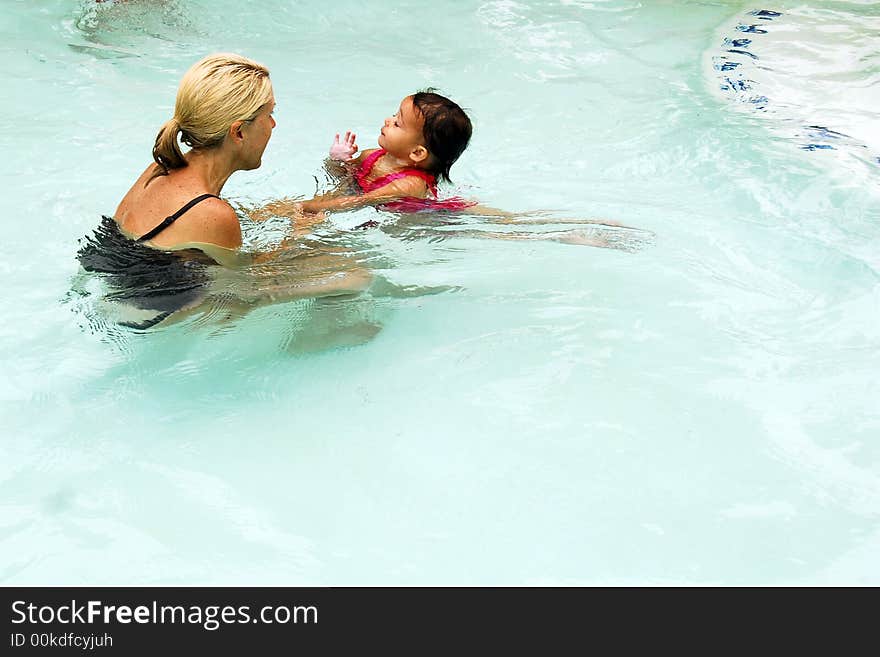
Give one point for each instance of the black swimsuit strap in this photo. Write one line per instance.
(167, 221)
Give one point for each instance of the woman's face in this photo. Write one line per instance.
(257, 133)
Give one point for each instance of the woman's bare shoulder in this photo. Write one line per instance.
(213, 221)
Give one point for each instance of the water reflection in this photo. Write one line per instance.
(110, 28)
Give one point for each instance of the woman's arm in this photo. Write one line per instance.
(409, 186)
(310, 212)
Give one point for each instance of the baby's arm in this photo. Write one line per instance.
(535, 217)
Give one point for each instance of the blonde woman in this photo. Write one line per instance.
(158, 250)
(224, 114)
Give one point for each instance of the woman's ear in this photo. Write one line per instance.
(418, 154)
(235, 131)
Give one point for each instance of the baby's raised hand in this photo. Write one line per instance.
(344, 149)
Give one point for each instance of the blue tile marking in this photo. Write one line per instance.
(765, 14)
(744, 52)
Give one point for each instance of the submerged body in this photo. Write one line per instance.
(150, 279)
(144, 278)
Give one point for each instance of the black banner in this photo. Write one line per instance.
(249, 620)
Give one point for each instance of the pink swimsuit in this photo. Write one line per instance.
(408, 203)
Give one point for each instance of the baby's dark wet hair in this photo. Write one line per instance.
(447, 130)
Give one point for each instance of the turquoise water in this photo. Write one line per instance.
(700, 412)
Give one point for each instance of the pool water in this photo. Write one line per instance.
(702, 411)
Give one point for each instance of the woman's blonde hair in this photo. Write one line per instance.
(213, 94)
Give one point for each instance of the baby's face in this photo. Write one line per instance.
(402, 133)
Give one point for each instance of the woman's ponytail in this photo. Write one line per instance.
(166, 150)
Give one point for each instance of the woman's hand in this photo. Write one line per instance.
(344, 150)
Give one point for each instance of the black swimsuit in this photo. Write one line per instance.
(144, 277)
